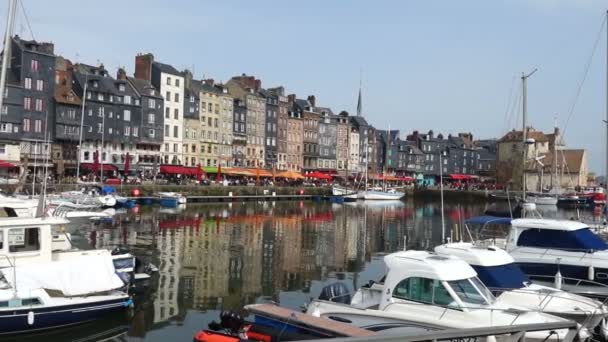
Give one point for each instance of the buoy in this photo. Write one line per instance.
(135, 192)
(30, 318)
(591, 273)
(558, 280)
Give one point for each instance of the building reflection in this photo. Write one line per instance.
(220, 257)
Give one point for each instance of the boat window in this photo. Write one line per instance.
(1, 239)
(423, 290)
(23, 239)
(471, 291)
(508, 276)
(573, 240)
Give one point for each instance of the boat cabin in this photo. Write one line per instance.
(27, 240)
(562, 235)
(428, 278)
(494, 266)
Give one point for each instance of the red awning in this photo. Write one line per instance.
(92, 167)
(6, 165)
(180, 170)
(319, 175)
(457, 176)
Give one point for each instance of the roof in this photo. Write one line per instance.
(516, 136)
(141, 87)
(64, 94)
(324, 109)
(303, 104)
(166, 68)
(428, 265)
(359, 121)
(571, 161)
(476, 256)
(548, 224)
(205, 87)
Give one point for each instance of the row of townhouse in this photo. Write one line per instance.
(162, 115)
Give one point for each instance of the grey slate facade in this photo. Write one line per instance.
(151, 123)
(328, 135)
(271, 128)
(239, 132)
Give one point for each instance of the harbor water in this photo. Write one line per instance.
(216, 257)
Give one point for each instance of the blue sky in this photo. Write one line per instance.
(450, 66)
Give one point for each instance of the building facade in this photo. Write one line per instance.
(295, 137)
(342, 143)
(328, 136)
(239, 142)
(311, 134)
(192, 130)
(170, 84)
(282, 128)
(271, 128)
(226, 125)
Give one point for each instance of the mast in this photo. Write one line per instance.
(84, 100)
(524, 79)
(606, 171)
(12, 7)
(441, 191)
(103, 133)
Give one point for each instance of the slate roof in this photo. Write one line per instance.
(167, 69)
(141, 87)
(516, 136)
(359, 121)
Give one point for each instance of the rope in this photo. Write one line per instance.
(585, 73)
(27, 20)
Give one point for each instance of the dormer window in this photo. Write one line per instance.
(121, 87)
(95, 84)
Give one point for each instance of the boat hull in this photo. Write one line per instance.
(380, 195)
(16, 321)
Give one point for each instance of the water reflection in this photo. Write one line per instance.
(223, 256)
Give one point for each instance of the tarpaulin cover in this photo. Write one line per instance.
(80, 276)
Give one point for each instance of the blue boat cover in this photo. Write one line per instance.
(488, 219)
(507, 276)
(575, 240)
(108, 189)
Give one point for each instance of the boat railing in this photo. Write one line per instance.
(549, 295)
(573, 281)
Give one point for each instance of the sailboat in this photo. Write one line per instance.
(384, 193)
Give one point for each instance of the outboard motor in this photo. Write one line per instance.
(229, 320)
(336, 292)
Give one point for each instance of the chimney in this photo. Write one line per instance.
(258, 85)
(143, 66)
(187, 79)
(209, 82)
(121, 74)
(312, 100)
(291, 98)
(431, 134)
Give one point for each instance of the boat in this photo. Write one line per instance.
(171, 199)
(511, 286)
(347, 194)
(39, 292)
(390, 194)
(542, 199)
(427, 290)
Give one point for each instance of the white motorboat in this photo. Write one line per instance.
(39, 291)
(338, 190)
(498, 271)
(541, 199)
(171, 199)
(432, 291)
(390, 194)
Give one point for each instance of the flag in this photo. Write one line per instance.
(359, 105)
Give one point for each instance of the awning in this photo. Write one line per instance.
(289, 174)
(458, 176)
(6, 165)
(235, 171)
(93, 167)
(319, 175)
(210, 169)
(488, 219)
(180, 170)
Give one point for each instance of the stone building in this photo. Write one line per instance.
(210, 123)
(239, 143)
(271, 131)
(226, 123)
(295, 136)
(282, 128)
(328, 136)
(68, 107)
(247, 89)
(342, 143)
(311, 133)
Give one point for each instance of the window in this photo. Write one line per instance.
(203, 107)
(99, 96)
(176, 114)
(40, 85)
(151, 103)
(72, 114)
(27, 103)
(177, 82)
(127, 115)
(210, 107)
(110, 130)
(23, 239)
(191, 99)
(176, 97)
(168, 80)
(90, 111)
(4, 109)
(34, 65)
(100, 111)
(121, 87)
(26, 125)
(423, 290)
(168, 96)
(167, 130)
(175, 132)
(150, 133)
(90, 129)
(471, 291)
(38, 126)
(27, 83)
(127, 131)
(89, 95)
(99, 130)
(167, 112)
(151, 118)
(127, 99)
(175, 148)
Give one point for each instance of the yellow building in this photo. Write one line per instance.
(210, 124)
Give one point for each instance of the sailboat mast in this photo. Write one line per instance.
(84, 100)
(606, 157)
(103, 131)
(524, 135)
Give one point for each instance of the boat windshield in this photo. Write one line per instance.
(508, 276)
(572, 240)
(471, 291)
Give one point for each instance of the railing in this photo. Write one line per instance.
(459, 334)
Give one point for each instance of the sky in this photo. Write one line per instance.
(449, 66)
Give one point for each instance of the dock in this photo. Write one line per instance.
(225, 198)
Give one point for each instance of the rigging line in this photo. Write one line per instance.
(586, 72)
(27, 20)
(509, 100)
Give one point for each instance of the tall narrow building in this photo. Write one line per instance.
(170, 83)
